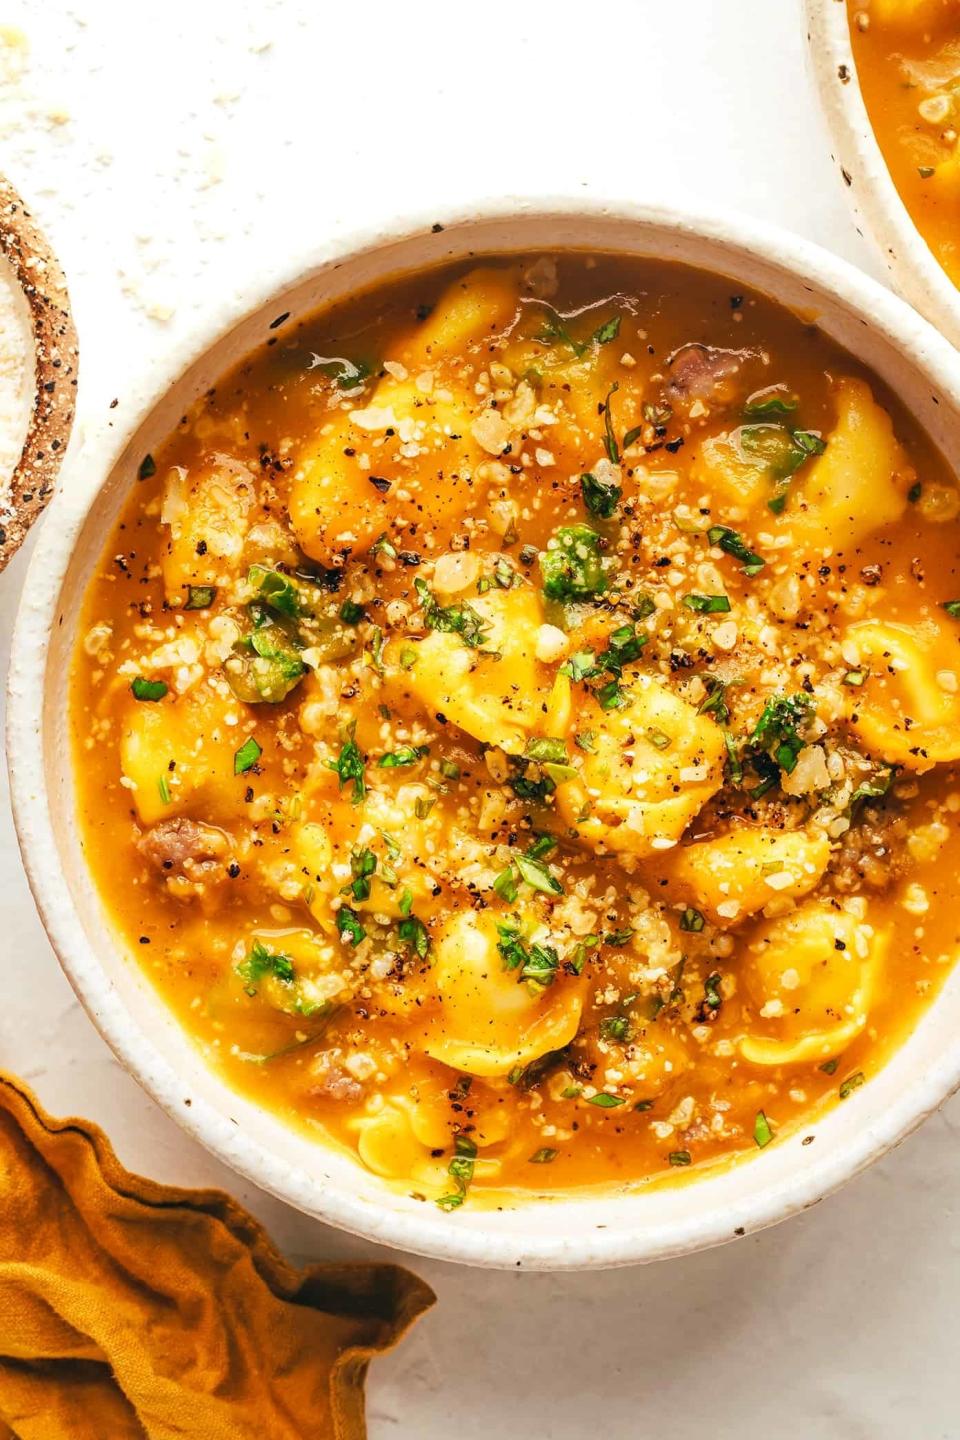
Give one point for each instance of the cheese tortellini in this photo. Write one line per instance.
(416, 418)
(907, 710)
(858, 484)
(488, 1020)
(811, 975)
(652, 765)
(180, 758)
(494, 690)
(735, 875)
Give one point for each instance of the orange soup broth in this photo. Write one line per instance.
(696, 1097)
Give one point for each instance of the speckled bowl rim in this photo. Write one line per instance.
(592, 1231)
(914, 270)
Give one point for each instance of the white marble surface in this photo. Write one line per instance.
(167, 145)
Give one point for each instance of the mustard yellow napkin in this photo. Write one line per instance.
(131, 1309)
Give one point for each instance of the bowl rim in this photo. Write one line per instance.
(419, 1231)
(874, 198)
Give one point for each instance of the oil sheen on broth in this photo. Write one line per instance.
(908, 64)
(514, 720)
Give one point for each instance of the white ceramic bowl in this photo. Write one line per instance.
(590, 1230)
(914, 270)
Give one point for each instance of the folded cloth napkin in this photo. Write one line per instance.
(131, 1309)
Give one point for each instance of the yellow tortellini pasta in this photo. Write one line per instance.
(295, 971)
(857, 485)
(811, 975)
(732, 877)
(178, 757)
(651, 767)
(906, 710)
(497, 692)
(208, 512)
(487, 1020)
(427, 423)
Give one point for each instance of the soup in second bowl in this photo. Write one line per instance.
(516, 717)
(908, 63)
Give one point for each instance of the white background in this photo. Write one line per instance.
(171, 148)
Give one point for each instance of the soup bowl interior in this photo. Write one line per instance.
(588, 1228)
(915, 271)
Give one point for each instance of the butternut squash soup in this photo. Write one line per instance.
(515, 720)
(908, 63)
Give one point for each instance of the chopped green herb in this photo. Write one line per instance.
(200, 597)
(692, 920)
(605, 1101)
(715, 703)
(164, 790)
(643, 1105)
(914, 493)
(829, 1067)
(611, 696)
(406, 755)
(554, 331)
(349, 766)
(405, 903)
(407, 657)
(708, 604)
(679, 1157)
(658, 739)
(580, 666)
(608, 331)
(351, 613)
(147, 468)
(781, 452)
(414, 935)
(571, 566)
(261, 964)
(855, 677)
(609, 438)
(275, 589)
(349, 926)
(462, 619)
(450, 769)
(624, 645)
(776, 732)
(874, 789)
(382, 546)
(543, 1156)
(632, 436)
(537, 875)
(586, 740)
(571, 1092)
(618, 937)
(711, 991)
(246, 757)
(852, 1082)
(363, 864)
(615, 1027)
(506, 885)
(952, 608)
(643, 607)
(600, 497)
(731, 542)
(926, 171)
(148, 689)
(771, 401)
(762, 1132)
(460, 1169)
(546, 749)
